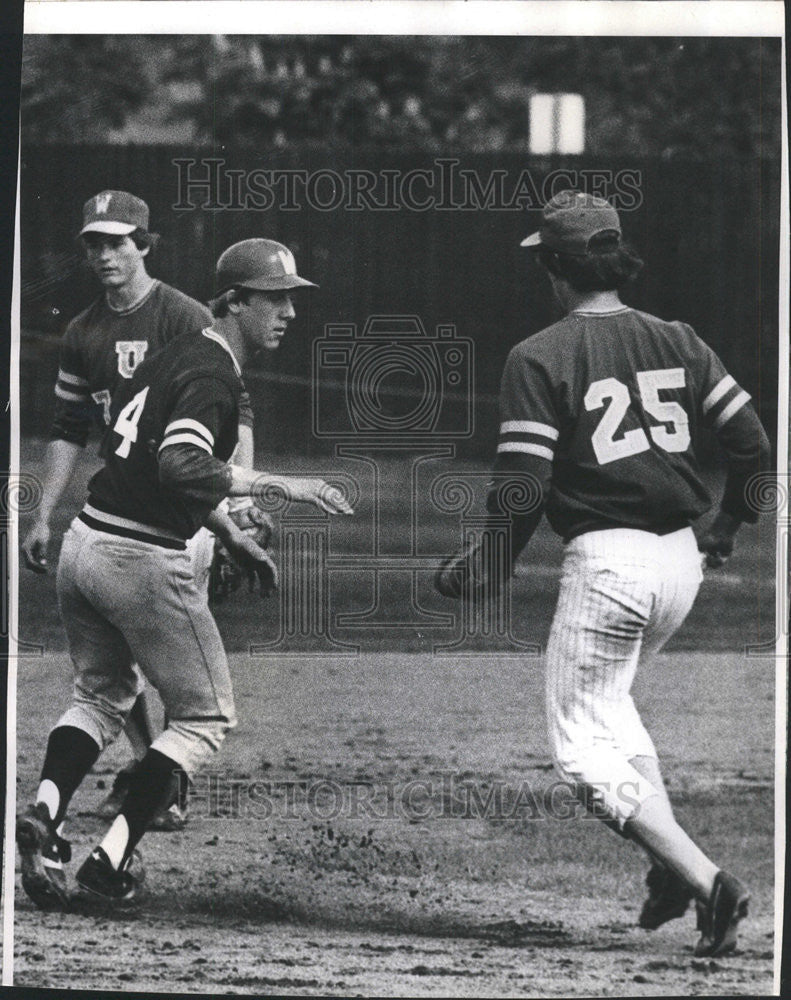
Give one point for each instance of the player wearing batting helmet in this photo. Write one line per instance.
(598, 412)
(133, 318)
(125, 582)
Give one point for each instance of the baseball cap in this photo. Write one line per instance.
(571, 219)
(115, 212)
(260, 264)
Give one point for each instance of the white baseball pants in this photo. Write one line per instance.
(623, 594)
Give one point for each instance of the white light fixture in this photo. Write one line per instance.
(557, 124)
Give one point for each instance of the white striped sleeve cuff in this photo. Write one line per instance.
(725, 399)
(72, 388)
(527, 448)
(530, 437)
(71, 397)
(733, 407)
(188, 431)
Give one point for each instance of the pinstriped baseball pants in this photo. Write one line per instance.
(623, 594)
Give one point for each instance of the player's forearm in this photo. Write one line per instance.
(59, 465)
(221, 524)
(193, 473)
(748, 453)
(72, 421)
(297, 489)
(520, 483)
(244, 453)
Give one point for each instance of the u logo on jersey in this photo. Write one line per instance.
(130, 354)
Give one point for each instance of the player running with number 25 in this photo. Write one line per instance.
(598, 412)
(125, 583)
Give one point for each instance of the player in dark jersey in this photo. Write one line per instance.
(133, 318)
(598, 418)
(125, 584)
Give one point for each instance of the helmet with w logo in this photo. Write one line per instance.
(263, 265)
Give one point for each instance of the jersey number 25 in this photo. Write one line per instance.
(606, 446)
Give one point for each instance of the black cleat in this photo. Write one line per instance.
(98, 877)
(718, 920)
(42, 853)
(668, 898)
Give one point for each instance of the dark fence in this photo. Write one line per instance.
(404, 235)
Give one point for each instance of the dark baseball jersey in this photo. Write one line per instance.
(603, 409)
(102, 347)
(186, 397)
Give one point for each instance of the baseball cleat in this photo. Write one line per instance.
(113, 803)
(668, 898)
(98, 877)
(170, 820)
(718, 920)
(42, 853)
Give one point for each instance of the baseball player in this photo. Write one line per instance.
(125, 583)
(598, 414)
(135, 316)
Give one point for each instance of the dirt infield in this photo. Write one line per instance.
(390, 826)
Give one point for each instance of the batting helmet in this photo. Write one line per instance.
(263, 265)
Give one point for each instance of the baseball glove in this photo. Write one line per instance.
(247, 561)
(476, 572)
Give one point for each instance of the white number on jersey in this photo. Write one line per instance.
(605, 445)
(128, 419)
(677, 438)
(102, 397)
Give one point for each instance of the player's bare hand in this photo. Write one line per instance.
(34, 548)
(319, 493)
(717, 542)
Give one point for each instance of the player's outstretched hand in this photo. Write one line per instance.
(318, 492)
(717, 541)
(34, 548)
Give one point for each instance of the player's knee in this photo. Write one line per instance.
(190, 742)
(571, 759)
(100, 723)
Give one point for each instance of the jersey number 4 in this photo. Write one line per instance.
(608, 447)
(128, 419)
